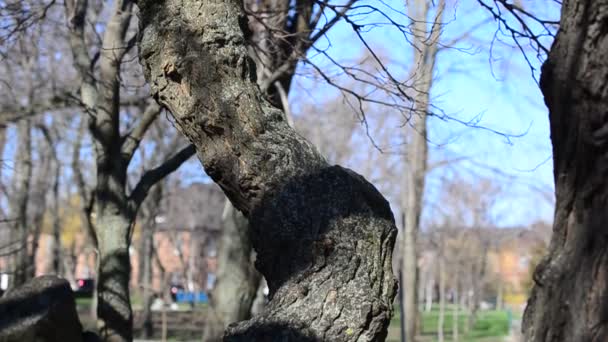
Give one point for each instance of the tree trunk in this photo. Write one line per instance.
(425, 51)
(19, 204)
(115, 317)
(455, 313)
(271, 51)
(568, 300)
(465, 302)
(324, 236)
(38, 203)
(235, 288)
(146, 280)
(429, 291)
(57, 255)
(2, 144)
(146, 259)
(499, 296)
(473, 297)
(440, 321)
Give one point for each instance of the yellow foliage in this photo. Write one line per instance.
(515, 298)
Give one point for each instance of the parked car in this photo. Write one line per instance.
(84, 288)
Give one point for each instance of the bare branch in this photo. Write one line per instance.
(155, 175)
(76, 12)
(131, 140)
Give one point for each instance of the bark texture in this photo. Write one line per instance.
(323, 235)
(569, 298)
(279, 39)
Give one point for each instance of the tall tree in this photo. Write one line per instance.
(22, 180)
(114, 206)
(568, 300)
(426, 41)
(323, 235)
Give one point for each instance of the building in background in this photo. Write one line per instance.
(186, 235)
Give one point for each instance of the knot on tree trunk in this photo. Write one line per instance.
(324, 244)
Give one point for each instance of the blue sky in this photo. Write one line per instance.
(471, 82)
(494, 85)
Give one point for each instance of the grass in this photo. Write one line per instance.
(491, 326)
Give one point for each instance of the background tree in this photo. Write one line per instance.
(114, 207)
(426, 41)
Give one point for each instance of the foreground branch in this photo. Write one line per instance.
(324, 236)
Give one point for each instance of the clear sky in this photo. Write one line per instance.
(494, 85)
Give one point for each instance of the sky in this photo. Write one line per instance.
(472, 81)
(496, 86)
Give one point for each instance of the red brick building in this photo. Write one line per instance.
(185, 238)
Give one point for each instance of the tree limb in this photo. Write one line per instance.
(131, 140)
(155, 175)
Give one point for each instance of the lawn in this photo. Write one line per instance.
(491, 326)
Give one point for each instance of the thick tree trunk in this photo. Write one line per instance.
(19, 204)
(425, 51)
(568, 301)
(237, 280)
(272, 52)
(324, 236)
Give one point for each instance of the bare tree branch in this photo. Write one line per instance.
(155, 175)
(132, 139)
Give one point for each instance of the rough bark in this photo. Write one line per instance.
(237, 279)
(568, 301)
(425, 50)
(280, 37)
(323, 235)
